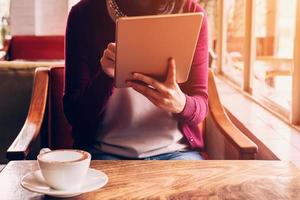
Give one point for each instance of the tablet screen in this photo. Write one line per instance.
(144, 45)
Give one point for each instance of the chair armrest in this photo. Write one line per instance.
(21, 146)
(245, 147)
(212, 57)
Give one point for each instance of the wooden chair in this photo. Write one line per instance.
(46, 120)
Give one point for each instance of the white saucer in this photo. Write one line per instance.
(34, 181)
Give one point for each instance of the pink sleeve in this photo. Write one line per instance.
(196, 88)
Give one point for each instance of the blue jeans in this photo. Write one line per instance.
(177, 155)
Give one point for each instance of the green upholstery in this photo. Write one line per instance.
(16, 80)
(15, 90)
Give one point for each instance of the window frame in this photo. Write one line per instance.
(292, 117)
(295, 109)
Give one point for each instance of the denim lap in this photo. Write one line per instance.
(177, 155)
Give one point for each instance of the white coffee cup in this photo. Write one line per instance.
(64, 169)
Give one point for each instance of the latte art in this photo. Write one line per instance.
(63, 156)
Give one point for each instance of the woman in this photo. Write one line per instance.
(156, 121)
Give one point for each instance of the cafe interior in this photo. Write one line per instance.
(251, 131)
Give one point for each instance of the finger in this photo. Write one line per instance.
(112, 46)
(155, 102)
(149, 81)
(160, 104)
(109, 54)
(144, 90)
(155, 98)
(107, 65)
(171, 77)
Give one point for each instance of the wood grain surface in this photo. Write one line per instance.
(175, 180)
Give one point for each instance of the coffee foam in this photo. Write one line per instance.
(63, 156)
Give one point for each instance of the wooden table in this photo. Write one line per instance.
(175, 180)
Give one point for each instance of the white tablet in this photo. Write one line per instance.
(144, 45)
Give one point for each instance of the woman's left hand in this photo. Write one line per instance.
(166, 95)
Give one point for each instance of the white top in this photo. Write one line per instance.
(134, 127)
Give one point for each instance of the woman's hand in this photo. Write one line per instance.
(165, 95)
(108, 60)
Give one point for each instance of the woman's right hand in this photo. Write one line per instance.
(108, 60)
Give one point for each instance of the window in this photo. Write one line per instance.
(4, 13)
(4, 8)
(274, 34)
(235, 29)
(257, 48)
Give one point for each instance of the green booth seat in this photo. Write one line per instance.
(16, 80)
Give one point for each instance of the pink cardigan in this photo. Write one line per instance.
(88, 88)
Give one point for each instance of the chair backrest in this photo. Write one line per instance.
(36, 48)
(59, 130)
